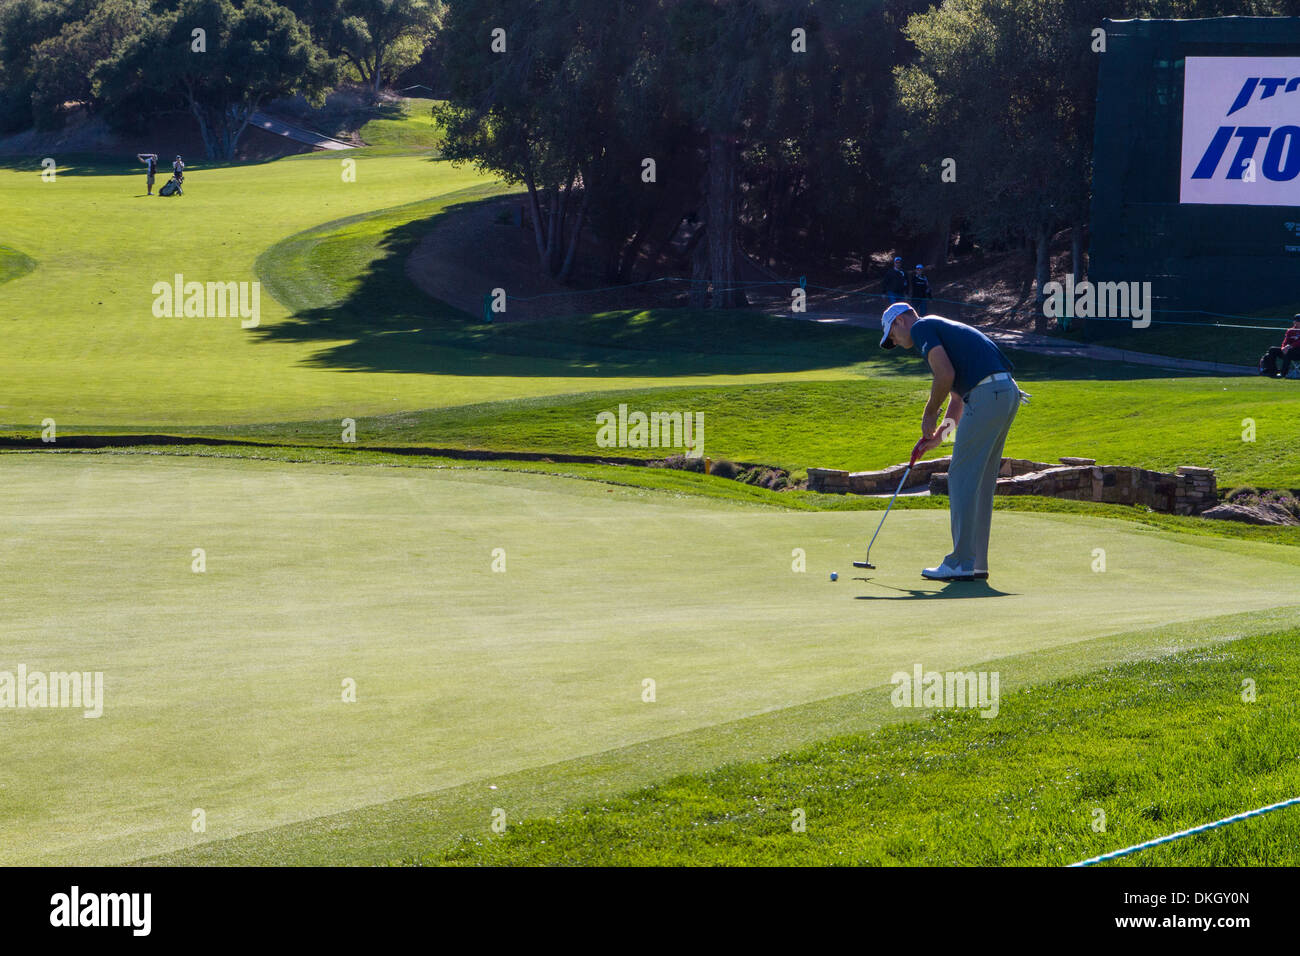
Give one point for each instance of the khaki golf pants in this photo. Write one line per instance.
(973, 474)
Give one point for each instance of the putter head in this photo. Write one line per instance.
(864, 564)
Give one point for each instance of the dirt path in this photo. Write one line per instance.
(299, 134)
(1047, 345)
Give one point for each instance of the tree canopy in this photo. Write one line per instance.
(222, 61)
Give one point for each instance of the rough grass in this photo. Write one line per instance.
(1156, 746)
(861, 423)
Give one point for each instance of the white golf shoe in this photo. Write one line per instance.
(948, 572)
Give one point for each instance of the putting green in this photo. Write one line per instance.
(223, 689)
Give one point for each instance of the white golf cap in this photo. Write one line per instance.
(887, 321)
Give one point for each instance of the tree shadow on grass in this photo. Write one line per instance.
(14, 263)
(386, 324)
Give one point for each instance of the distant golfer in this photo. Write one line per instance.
(150, 161)
(178, 170)
(970, 368)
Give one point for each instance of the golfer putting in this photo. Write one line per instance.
(973, 375)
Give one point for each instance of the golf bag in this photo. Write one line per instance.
(171, 188)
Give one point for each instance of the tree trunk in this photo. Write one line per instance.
(769, 224)
(557, 251)
(205, 132)
(552, 230)
(249, 110)
(1041, 275)
(577, 231)
(1077, 265)
(935, 248)
(657, 252)
(209, 146)
(627, 258)
(700, 269)
(536, 206)
(219, 124)
(722, 221)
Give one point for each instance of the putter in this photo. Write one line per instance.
(916, 453)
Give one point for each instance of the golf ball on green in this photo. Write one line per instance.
(834, 576)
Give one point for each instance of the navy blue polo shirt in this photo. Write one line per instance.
(973, 354)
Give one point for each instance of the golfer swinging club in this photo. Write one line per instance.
(970, 368)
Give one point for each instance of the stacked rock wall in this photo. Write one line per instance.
(1190, 490)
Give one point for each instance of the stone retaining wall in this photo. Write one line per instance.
(832, 481)
(1188, 491)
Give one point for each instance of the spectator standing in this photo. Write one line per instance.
(920, 290)
(895, 284)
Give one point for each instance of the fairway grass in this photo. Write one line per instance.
(1241, 341)
(223, 689)
(407, 124)
(344, 334)
(84, 348)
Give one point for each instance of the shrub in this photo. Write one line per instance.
(724, 469)
(775, 479)
(681, 463)
(1283, 499)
